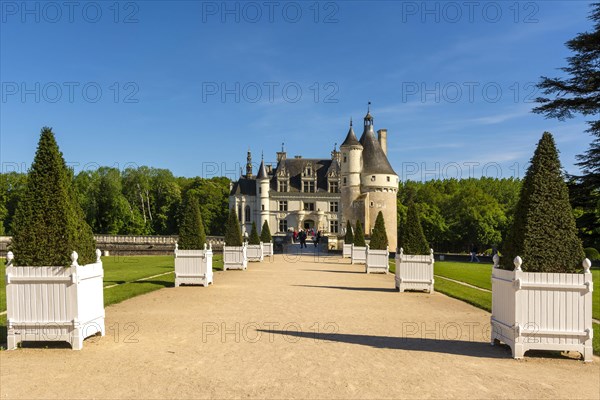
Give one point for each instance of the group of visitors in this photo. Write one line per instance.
(303, 234)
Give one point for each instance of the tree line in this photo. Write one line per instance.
(455, 214)
(135, 201)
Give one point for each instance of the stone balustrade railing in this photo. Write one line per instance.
(133, 244)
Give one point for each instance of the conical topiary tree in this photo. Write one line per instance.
(413, 238)
(254, 238)
(233, 234)
(49, 223)
(191, 227)
(543, 233)
(359, 236)
(379, 239)
(265, 233)
(349, 238)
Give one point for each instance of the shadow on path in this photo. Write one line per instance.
(456, 347)
(335, 271)
(360, 289)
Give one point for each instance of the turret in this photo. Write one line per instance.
(351, 151)
(262, 183)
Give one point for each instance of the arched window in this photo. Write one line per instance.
(247, 209)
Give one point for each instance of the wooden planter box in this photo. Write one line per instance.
(235, 257)
(54, 303)
(542, 311)
(347, 250)
(193, 267)
(377, 261)
(268, 249)
(254, 252)
(414, 272)
(358, 255)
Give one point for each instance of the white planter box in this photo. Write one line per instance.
(347, 250)
(268, 249)
(234, 257)
(54, 303)
(378, 261)
(254, 252)
(193, 267)
(542, 311)
(414, 272)
(359, 255)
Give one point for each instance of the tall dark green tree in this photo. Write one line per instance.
(254, 238)
(349, 237)
(413, 239)
(544, 232)
(379, 239)
(233, 234)
(579, 93)
(359, 235)
(265, 233)
(191, 227)
(49, 223)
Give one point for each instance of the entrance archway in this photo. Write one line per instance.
(309, 224)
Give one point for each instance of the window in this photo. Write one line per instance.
(247, 216)
(259, 190)
(372, 204)
(333, 206)
(345, 158)
(388, 178)
(262, 207)
(333, 227)
(309, 206)
(283, 186)
(373, 178)
(283, 227)
(308, 187)
(334, 187)
(308, 171)
(240, 213)
(283, 205)
(344, 181)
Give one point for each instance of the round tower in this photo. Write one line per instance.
(351, 166)
(262, 189)
(378, 183)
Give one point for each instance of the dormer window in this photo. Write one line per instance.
(282, 185)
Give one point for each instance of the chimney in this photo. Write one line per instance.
(382, 137)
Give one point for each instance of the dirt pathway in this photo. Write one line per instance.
(293, 329)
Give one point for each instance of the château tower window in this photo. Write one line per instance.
(308, 187)
(240, 213)
(388, 178)
(283, 185)
(373, 178)
(333, 206)
(334, 187)
(283, 205)
(333, 226)
(247, 219)
(345, 158)
(344, 181)
(283, 225)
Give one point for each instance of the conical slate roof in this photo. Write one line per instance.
(351, 139)
(374, 159)
(262, 171)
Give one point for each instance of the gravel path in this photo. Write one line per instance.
(295, 328)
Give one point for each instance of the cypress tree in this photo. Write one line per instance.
(379, 240)
(191, 227)
(265, 233)
(49, 223)
(413, 238)
(544, 232)
(349, 238)
(233, 234)
(254, 238)
(359, 236)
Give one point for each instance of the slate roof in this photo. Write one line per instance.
(374, 159)
(262, 171)
(244, 186)
(351, 139)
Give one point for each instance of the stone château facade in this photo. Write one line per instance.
(355, 183)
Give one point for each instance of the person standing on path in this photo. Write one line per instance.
(302, 237)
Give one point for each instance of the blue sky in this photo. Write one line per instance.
(191, 85)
